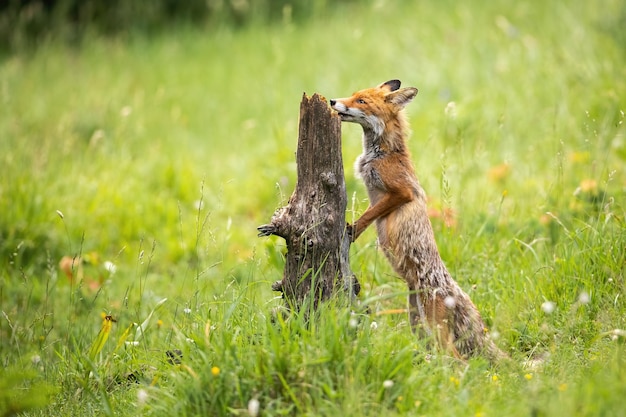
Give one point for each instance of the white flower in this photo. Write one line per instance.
(142, 396)
(110, 266)
(253, 407)
(450, 110)
(449, 302)
(353, 322)
(388, 383)
(584, 297)
(126, 111)
(187, 310)
(373, 325)
(548, 307)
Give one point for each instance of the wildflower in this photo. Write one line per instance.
(159, 323)
(449, 302)
(373, 325)
(589, 186)
(548, 307)
(528, 376)
(562, 387)
(579, 157)
(110, 266)
(353, 322)
(494, 378)
(388, 383)
(215, 371)
(142, 396)
(584, 297)
(253, 407)
(455, 381)
(499, 173)
(126, 111)
(450, 110)
(35, 359)
(187, 310)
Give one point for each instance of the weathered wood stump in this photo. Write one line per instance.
(313, 222)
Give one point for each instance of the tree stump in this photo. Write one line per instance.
(313, 223)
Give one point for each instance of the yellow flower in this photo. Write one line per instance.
(499, 173)
(159, 323)
(589, 186)
(528, 376)
(494, 378)
(455, 381)
(579, 157)
(562, 387)
(215, 371)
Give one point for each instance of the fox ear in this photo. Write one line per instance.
(391, 85)
(402, 97)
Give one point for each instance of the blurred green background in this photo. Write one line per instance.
(151, 138)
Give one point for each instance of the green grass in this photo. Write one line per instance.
(162, 154)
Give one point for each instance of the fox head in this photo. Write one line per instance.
(374, 108)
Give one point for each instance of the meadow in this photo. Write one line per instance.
(152, 158)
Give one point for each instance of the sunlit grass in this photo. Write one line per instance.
(136, 169)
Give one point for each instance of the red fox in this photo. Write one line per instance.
(437, 305)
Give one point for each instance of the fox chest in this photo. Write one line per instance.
(367, 169)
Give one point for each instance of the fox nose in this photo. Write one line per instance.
(332, 102)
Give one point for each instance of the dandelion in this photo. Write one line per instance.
(455, 381)
(494, 378)
(449, 302)
(253, 407)
(548, 307)
(528, 376)
(215, 371)
(388, 383)
(584, 297)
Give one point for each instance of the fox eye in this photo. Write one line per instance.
(360, 101)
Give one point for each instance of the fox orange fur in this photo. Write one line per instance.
(437, 304)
